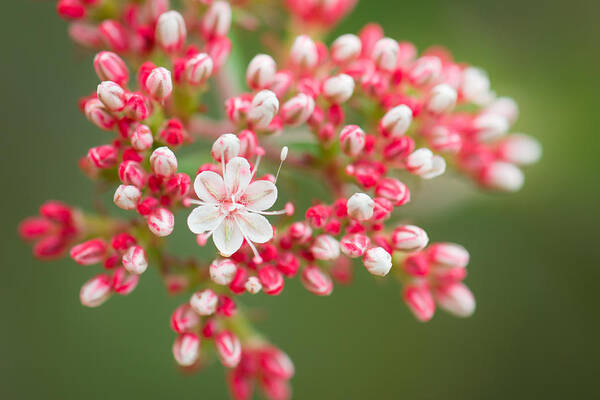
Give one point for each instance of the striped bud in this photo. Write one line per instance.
(141, 138)
(352, 140)
(325, 247)
(127, 197)
(377, 261)
(448, 255)
(226, 146)
(425, 70)
(394, 190)
(163, 162)
(271, 280)
(111, 95)
(159, 83)
(198, 69)
(396, 121)
(419, 300)
(442, 99)
(135, 260)
(96, 291)
(338, 89)
(354, 245)
(360, 206)
(261, 72)
(316, 281)
(298, 109)
(90, 252)
(97, 113)
(110, 67)
(229, 349)
(409, 238)
(186, 349)
(263, 109)
(385, 54)
(161, 222)
(304, 53)
(222, 271)
(455, 298)
(184, 318)
(170, 31)
(345, 48)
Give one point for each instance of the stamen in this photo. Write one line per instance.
(282, 157)
(256, 164)
(279, 212)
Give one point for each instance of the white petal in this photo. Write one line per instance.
(228, 237)
(204, 219)
(209, 187)
(237, 175)
(260, 195)
(256, 228)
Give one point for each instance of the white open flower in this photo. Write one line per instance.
(230, 207)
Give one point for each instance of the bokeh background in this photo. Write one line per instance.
(534, 255)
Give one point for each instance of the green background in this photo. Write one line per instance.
(534, 265)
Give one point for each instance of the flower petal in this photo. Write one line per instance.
(237, 175)
(209, 187)
(204, 219)
(255, 227)
(228, 237)
(260, 195)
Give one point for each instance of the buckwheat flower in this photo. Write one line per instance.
(325, 247)
(442, 99)
(229, 349)
(304, 54)
(135, 260)
(111, 95)
(345, 48)
(163, 162)
(204, 302)
(409, 238)
(261, 72)
(226, 146)
(377, 261)
(141, 138)
(217, 20)
(263, 109)
(127, 197)
(253, 285)
(96, 291)
(198, 69)
(170, 31)
(339, 88)
(385, 54)
(186, 349)
(475, 85)
(161, 222)
(298, 109)
(230, 207)
(455, 298)
(316, 281)
(520, 149)
(222, 271)
(110, 67)
(502, 176)
(360, 206)
(396, 121)
(352, 140)
(159, 83)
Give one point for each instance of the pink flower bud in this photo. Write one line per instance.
(325, 247)
(217, 20)
(520, 149)
(298, 109)
(141, 138)
(396, 121)
(96, 291)
(382, 209)
(282, 82)
(178, 185)
(304, 54)
(261, 72)
(170, 31)
(275, 389)
(419, 300)
(416, 264)
(409, 238)
(338, 89)
(264, 107)
(204, 302)
(253, 285)
(442, 139)
(222, 271)
(502, 176)
(123, 282)
(438, 167)
(90, 252)
(70, 9)
(184, 318)
(163, 162)
(504, 106)
(385, 54)
(98, 114)
(276, 363)
(114, 35)
(229, 349)
(425, 70)
(134, 260)
(420, 161)
(85, 34)
(34, 227)
(398, 148)
(378, 261)
(475, 86)
(104, 156)
(186, 349)
(110, 67)
(131, 173)
(161, 222)
(159, 83)
(360, 206)
(198, 69)
(301, 231)
(226, 146)
(490, 127)
(394, 190)
(316, 281)
(352, 140)
(448, 255)
(442, 99)
(455, 298)
(354, 245)
(127, 197)
(111, 95)
(271, 280)
(345, 48)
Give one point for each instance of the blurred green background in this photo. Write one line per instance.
(533, 268)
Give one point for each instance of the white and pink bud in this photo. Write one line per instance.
(97, 113)
(159, 83)
(276, 363)
(419, 300)
(504, 106)
(198, 69)
(354, 245)
(253, 285)
(88, 253)
(396, 121)
(111, 95)
(141, 138)
(385, 54)
(438, 167)
(217, 20)
(135, 260)
(229, 349)
(360, 206)
(271, 279)
(338, 89)
(263, 109)
(186, 349)
(127, 197)
(304, 54)
(442, 99)
(300, 231)
(520, 149)
(420, 161)
(170, 31)
(110, 67)
(475, 86)
(316, 281)
(184, 318)
(222, 271)
(132, 173)
(455, 298)
(325, 247)
(225, 147)
(298, 109)
(377, 261)
(163, 162)
(394, 190)
(345, 48)
(425, 70)
(204, 302)
(96, 291)
(261, 72)
(161, 222)
(352, 140)
(502, 176)
(409, 238)
(449, 255)
(490, 127)
(123, 282)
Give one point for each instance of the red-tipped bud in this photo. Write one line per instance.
(96, 291)
(170, 31)
(135, 260)
(34, 228)
(122, 241)
(425, 70)
(98, 114)
(409, 238)
(382, 209)
(298, 109)
(204, 302)
(304, 54)
(132, 173)
(161, 222)
(123, 282)
(325, 247)
(222, 272)
(104, 156)
(360, 206)
(455, 298)
(163, 162)
(137, 107)
(377, 261)
(90, 252)
(416, 264)
(198, 69)
(300, 231)
(159, 83)
(184, 318)
(178, 185)
(419, 300)
(396, 121)
(217, 20)
(253, 285)
(442, 99)
(399, 148)
(261, 72)
(394, 190)
(229, 349)
(354, 245)
(141, 138)
(110, 67)
(127, 197)
(111, 95)
(276, 363)
(271, 280)
(186, 349)
(225, 147)
(352, 140)
(316, 281)
(317, 215)
(448, 255)
(288, 264)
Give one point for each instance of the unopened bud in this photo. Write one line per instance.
(271, 280)
(261, 72)
(198, 69)
(217, 19)
(490, 126)
(502, 176)
(442, 99)
(298, 109)
(449, 255)
(132, 173)
(394, 190)
(229, 349)
(222, 271)
(354, 245)
(161, 222)
(385, 54)
(90, 252)
(204, 302)
(263, 109)
(419, 301)
(338, 89)
(135, 260)
(96, 291)
(475, 86)
(111, 95)
(104, 156)
(409, 238)
(396, 121)
(159, 83)
(316, 281)
(226, 146)
(97, 113)
(186, 349)
(253, 285)
(110, 67)
(170, 31)
(425, 70)
(325, 247)
(141, 138)
(520, 149)
(455, 298)
(345, 48)
(163, 162)
(360, 206)
(304, 54)
(378, 261)
(127, 197)
(352, 140)
(184, 318)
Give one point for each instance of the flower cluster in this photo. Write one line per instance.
(365, 116)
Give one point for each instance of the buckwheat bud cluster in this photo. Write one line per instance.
(364, 115)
